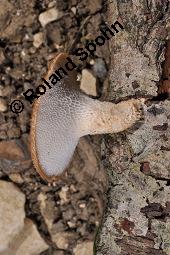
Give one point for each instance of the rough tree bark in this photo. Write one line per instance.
(137, 215)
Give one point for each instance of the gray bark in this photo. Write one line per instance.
(137, 215)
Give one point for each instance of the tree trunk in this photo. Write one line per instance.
(137, 215)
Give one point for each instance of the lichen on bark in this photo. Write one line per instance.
(136, 218)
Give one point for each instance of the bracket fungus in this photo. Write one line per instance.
(64, 114)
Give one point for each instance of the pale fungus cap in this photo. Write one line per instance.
(63, 114)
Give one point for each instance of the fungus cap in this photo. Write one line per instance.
(53, 129)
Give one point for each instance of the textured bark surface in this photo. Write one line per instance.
(136, 219)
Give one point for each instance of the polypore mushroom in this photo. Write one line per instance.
(63, 114)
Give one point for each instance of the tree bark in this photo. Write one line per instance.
(137, 216)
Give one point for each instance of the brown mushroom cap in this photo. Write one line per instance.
(53, 127)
